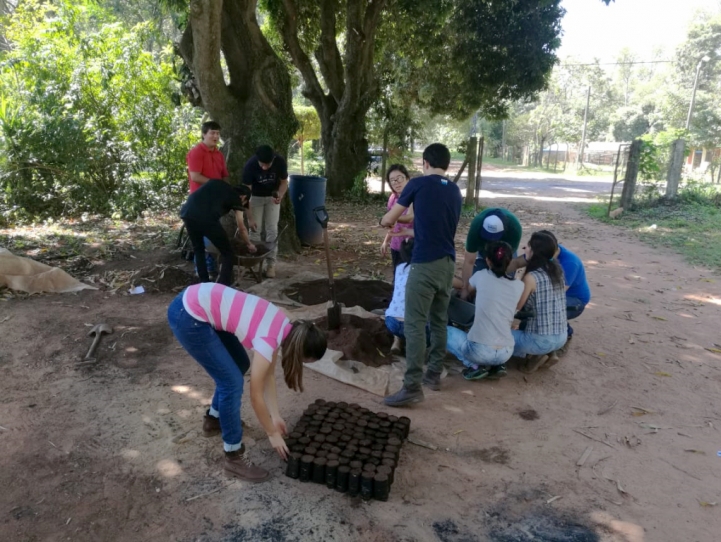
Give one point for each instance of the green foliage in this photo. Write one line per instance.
(309, 123)
(88, 118)
(655, 154)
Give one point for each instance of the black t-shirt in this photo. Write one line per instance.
(211, 201)
(264, 182)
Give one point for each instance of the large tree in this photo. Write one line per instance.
(458, 55)
(254, 106)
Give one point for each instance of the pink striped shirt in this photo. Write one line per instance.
(257, 323)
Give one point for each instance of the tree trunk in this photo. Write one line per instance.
(350, 86)
(256, 107)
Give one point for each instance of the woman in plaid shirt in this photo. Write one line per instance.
(544, 293)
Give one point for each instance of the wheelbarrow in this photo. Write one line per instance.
(252, 261)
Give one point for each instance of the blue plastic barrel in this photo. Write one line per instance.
(307, 193)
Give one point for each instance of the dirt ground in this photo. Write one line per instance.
(617, 443)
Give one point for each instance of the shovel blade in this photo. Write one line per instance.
(334, 314)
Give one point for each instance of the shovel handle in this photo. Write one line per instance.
(93, 346)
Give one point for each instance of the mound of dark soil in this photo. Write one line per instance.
(363, 339)
(369, 294)
(162, 279)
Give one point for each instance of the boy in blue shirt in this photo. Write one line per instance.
(437, 209)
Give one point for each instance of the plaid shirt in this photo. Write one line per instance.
(549, 302)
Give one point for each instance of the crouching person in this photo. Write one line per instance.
(396, 310)
(214, 323)
(544, 296)
(489, 343)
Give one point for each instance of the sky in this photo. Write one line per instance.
(593, 30)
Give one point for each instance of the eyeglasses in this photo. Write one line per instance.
(398, 179)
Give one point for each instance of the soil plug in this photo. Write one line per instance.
(385, 469)
(293, 468)
(341, 481)
(306, 468)
(381, 487)
(319, 470)
(354, 482)
(367, 485)
(331, 473)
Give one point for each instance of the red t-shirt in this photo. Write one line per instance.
(206, 161)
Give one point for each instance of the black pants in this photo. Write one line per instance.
(216, 234)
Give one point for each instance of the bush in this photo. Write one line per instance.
(89, 121)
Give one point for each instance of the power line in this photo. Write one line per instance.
(622, 63)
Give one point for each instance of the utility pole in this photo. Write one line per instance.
(579, 156)
(695, 87)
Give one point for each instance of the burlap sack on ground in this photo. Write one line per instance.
(376, 380)
(27, 275)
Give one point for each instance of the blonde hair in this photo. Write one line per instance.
(305, 341)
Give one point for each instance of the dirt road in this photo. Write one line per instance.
(114, 452)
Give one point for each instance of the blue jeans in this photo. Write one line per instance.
(396, 327)
(209, 260)
(574, 310)
(473, 354)
(535, 344)
(223, 358)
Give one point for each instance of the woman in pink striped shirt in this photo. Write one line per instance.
(214, 323)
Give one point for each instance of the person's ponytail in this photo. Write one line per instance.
(543, 248)
(499, 254)
(306, 341)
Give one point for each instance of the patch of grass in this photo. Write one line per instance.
(690, 229)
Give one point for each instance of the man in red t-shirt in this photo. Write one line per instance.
(205, 161)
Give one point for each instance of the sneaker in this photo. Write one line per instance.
(533, 363)
(270, 271)
(564, 349)
(475, 374)
(239, 464)
(432, 380)
(403, 397)
(552, 360)
(497, 372)
(211, 425)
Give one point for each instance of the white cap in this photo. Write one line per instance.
(492, 228)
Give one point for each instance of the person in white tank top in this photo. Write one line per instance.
(489, 343)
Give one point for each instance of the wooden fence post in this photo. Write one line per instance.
(471, 184)
(629, 181)
(675, 166)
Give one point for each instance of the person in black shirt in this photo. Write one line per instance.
(267, 175)
(201, 214)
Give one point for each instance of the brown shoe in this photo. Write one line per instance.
(564, 349)
(239, 464)
(211, 425)
(552, 360)
(533, 363)
(270, 272)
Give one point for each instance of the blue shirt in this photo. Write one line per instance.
(436, 211)
(574, 275)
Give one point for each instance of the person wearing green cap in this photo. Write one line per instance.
(492, 224)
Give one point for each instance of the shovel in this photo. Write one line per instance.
(321, 215)
(97, 333)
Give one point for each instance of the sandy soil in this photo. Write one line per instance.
(114, 451)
